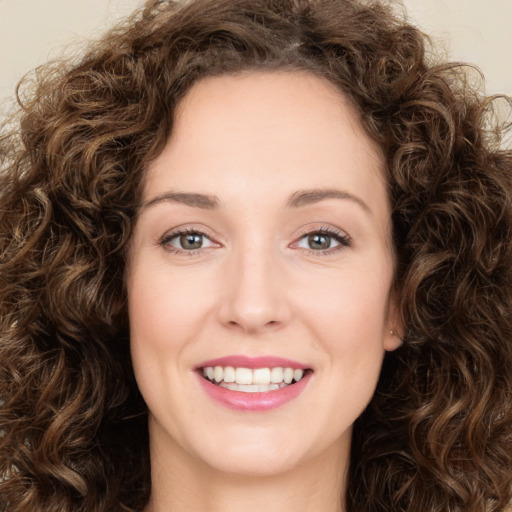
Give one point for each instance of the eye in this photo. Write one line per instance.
(186, 241)
(323, 240)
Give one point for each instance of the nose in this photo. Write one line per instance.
(254, 299)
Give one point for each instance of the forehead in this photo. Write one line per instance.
(283, 130)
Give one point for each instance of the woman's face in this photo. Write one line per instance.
(263, 243)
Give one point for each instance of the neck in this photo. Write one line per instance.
(181, 483)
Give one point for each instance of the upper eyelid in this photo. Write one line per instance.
(330, 233)
(183, 229)
(329, 230)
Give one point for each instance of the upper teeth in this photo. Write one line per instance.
(247, 376)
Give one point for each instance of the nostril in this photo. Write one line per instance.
(253, 326)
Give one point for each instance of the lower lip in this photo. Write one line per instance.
(240, 401)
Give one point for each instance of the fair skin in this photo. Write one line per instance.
(266, 268)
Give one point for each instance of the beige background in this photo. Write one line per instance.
(31, 31)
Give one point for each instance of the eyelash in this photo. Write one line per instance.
(341, 238)
(166, 239)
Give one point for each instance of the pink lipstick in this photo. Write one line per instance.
(253, 383)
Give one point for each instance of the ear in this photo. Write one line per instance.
(393, 337)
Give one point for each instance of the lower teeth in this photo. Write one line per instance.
(252, 388)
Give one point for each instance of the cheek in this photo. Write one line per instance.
(164, 308)
(165, 312)
(349, 303)
(348, 315)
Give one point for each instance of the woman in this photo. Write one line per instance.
(256, 254)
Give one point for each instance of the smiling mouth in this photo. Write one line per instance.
(258, 380)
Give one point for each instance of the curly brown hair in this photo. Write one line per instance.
(437, 435)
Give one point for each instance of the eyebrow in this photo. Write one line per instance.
(206, 202)
(297, 200)
(307, 197)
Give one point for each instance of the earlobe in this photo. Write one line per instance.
(394, 337)
(392, 340)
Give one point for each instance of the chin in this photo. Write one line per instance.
(260, 452)
(249, 462)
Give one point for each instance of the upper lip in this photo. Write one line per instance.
(243, 361)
